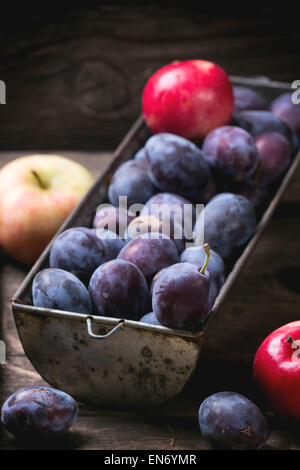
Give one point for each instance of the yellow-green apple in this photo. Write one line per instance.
(37, 193)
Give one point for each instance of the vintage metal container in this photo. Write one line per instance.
(106, 361)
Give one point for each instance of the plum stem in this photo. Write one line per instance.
(206, 248)
(292, 342)
(39, 180)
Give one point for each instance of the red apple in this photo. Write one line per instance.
(188, 98)
(277, 370)
(37, 193)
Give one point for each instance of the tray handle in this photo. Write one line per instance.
(110, 333)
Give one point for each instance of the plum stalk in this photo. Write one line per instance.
(206, 248)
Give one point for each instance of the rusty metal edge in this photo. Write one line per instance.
(238, 266)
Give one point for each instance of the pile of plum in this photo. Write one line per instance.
(138, 270)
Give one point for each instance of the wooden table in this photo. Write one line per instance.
(265, 297)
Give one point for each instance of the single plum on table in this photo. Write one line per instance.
(112, 242)
(78, 250)
(131, 179)
(150, 253)
(231, 152)
(38, 411)
(259, 122)
(274, 156)
(112, 218)
(227, 221)
(150, 318)
(246, 99)
(119, 289)
(184, 295)
(146, 224)
(197, 255)
(289, 112)
(231, 421)
(60, 290)
(176, 165)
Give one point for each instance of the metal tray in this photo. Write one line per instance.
(108, 361)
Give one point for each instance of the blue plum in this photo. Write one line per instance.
(60, 290)
(196, 255)
(255, 192)
(231, 421)
(246, 99)
(274, 156)
(176, 165)
(150, 253)
(259, 122)
(38, 411)
(227, 221)
(171, 205)
(140, 155)
(132, 180)
(288, 111)
(119, 289)
(79, 251)
(151, 224)
(112, 242)
(150, 318)
(231, 152)
(183, 296)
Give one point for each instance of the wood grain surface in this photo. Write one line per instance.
(266, 295)
(74, 75)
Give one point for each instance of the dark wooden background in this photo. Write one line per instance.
(74, 79)
(75, 75)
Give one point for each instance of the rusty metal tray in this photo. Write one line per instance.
(108, 361)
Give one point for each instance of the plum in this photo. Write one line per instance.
(166, 206)
(231, 152)
(119, 289)
(259, 122)
(78, 250)
(151, 224)
(231, 421)
(176, 165)
(274, 156)
(289, 112)
(113, 244)
(141, 155)
(184, 295)
(150, 318)
(228, 221)
(245, 99)
(255, 192)
(112, 218)
(38, 411)
(197, 255)
(131, 180)
(150, 253)
(60, 290)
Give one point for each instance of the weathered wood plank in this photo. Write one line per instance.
(74, 77)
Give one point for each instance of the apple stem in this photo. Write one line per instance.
(292, 342)
(39, 180)
(206, 248)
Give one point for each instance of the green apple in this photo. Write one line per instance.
(37, 193)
